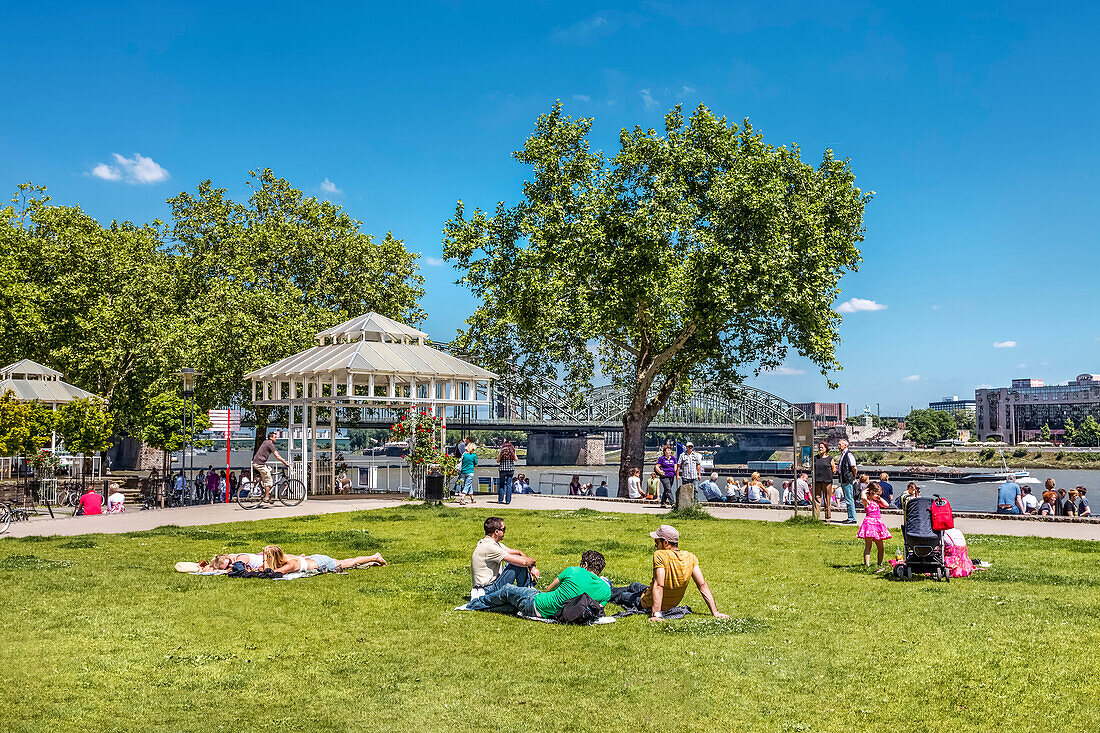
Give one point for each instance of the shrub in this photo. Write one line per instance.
(1038, 454)
(1019, 453)
(1059, 455)
(987, 454)
(875, 457)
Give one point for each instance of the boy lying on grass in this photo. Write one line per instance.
(281, 562)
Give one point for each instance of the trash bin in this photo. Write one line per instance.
(433, 487)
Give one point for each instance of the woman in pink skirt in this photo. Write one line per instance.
(873, 529)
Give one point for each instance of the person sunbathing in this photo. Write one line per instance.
(251, 560)
(281, 562)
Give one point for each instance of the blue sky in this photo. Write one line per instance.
(974, 123)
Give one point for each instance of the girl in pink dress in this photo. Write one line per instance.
(873, 529)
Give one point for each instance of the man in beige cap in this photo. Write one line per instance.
(672, 568)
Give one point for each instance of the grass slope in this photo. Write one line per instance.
(101, 634)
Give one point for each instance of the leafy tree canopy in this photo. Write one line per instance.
(700, 253)
(925, 427)
(25, 427)
(86, 425)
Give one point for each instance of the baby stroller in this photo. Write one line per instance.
(923, 545)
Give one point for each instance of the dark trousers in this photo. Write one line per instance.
(667, 494)
(504, 488)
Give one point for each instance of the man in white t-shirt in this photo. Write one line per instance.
(487, 565)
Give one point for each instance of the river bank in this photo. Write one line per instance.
(1034, 458)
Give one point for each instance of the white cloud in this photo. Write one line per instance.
(647, 98)
(433, 261)
(784, 371)
(581, 98)
(911, 378)
(936, 307)
(329, 187)
(855, 305)
(1004, 344)
(135, 170)
(106, 172)
(687, 90)
(1021, 365)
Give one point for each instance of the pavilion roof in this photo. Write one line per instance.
(30, 380)
(371, 327)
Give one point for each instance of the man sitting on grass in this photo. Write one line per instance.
(672, 569)
(487, 564)
(571, 583)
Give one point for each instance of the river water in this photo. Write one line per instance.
(555, 479)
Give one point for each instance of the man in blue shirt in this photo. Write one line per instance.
(1009, 500)
(710, 489)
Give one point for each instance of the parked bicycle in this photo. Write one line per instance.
(285, 490)
(9, 514)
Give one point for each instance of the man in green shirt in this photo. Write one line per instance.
(571, 583)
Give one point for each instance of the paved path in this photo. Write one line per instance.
(135, 520)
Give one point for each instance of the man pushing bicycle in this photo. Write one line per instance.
(259, 463)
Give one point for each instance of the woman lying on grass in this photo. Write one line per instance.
(279, 561)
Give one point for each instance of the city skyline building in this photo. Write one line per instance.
(825, 414)
(1018, 413)
(953, 404)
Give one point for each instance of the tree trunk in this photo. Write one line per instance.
(263, 415)
(633, 450)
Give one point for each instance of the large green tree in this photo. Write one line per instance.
(928, 426)
(87, 427)
(261, 278)
(90, 301)
(25, 427)
(699, 254)
(163, 425)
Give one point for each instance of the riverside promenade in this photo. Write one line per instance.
(137, 520)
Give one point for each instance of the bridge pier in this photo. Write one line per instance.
(555, 449)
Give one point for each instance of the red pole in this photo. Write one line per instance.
(227, 463)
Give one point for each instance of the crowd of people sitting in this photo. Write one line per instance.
(1014, 499)
(506, 580)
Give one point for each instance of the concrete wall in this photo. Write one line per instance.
(547, 449)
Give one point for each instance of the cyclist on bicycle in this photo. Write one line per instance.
(259, 463)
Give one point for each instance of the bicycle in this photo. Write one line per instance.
(287, 491)
(9, 514)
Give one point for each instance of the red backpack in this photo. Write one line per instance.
(942, 518)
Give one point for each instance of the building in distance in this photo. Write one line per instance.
(825, 414)
(1018, 413)
(953, 405)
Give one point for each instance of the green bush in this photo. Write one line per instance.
(1059, 455)
(1038, 454)
(1019, 453)
(987, 454)
(876, 457)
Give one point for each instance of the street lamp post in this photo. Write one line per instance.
(187, 376)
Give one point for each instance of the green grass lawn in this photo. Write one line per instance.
(99, 633)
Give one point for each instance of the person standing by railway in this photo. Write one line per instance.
(666, 467)
(506, 465)
(848, 472)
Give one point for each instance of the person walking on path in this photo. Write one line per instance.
(212, 481)
(688, 466)
(848, 472)
(506, 465)
(666, 466)
(259, 463)
(824, 468)
(466, 472)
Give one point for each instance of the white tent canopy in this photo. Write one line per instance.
(366, 362)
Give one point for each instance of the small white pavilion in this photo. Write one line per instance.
(368, 363)
(29, 381)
